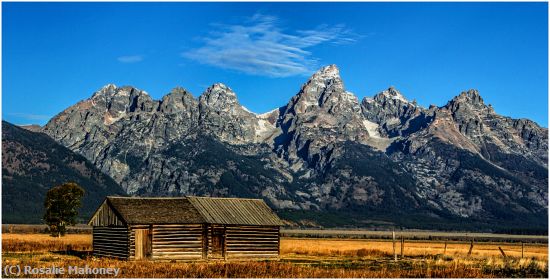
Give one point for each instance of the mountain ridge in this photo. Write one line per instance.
(32, 163)
(141, 142)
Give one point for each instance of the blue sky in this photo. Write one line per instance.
(56, 54)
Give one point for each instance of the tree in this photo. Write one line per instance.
(62, 204)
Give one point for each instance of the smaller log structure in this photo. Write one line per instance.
(185, 228)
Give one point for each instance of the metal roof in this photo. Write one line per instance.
(235, 211)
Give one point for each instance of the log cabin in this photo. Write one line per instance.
(185, 228)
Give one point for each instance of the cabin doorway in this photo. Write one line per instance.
(218, 243)
(143, 244)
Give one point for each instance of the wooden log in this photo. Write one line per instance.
(107, 251)
(177, 226)
(109, 245)
(177, 233)
(252, 249)
(190, 253)
(248, 238)
(182, 246)
(111, 250)
(177, 246)
(181, 239)
(110, 232)
(160, 240)
(176, 257)
(178, 230)
(240, 241)
(275, 255)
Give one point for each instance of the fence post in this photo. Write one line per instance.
(445, 249)
(471, 247)
(522, 249)
(394, 252)
(402, 246)
(502, 252)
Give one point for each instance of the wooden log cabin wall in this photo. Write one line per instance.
(188, 228)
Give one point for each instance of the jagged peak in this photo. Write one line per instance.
(327, 72)
(395, 94)
(111, 90)
(179, 90)
(109, 86)
(219, 88)
(390, 93)
(219, 95)
(470, 96)
(106, 89)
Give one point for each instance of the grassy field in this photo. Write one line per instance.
(304, 258)
(412, 234)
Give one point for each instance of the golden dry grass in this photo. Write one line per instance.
(300, 258)
(327, 247)
(21, 242)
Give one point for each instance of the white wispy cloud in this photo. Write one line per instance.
(261, 47)
(130, 58)
(30, 117)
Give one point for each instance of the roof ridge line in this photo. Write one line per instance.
(146, 197)
(212, 197)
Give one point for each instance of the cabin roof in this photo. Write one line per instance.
(192, 210)
(235, 211)
(145, 210)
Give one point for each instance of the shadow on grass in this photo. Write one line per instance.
(75, 253)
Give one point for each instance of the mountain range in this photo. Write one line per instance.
(324, 158)
(32, 163)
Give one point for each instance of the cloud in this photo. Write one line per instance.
(261, 47)
(31, 117)
(130, 58)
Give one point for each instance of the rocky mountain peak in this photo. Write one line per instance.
(179, 90)
(471, 97)
(327, 72)
(221, 115)
(218, 89)
(117, 101)
(106, 90)
(324, 89)
(391, 94)
(219, 96)
(178, 100)
(393, 113)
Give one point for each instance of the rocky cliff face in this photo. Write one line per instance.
(385, 157)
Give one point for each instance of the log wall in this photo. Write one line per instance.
(182, 242)
(110, 242)
(251, 242)
(190, 242)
